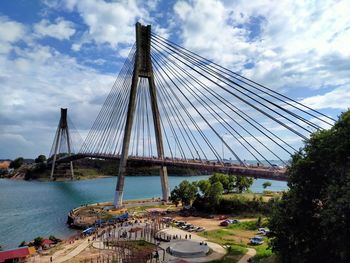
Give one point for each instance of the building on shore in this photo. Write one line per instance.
(17, 254)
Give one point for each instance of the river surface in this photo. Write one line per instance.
(30, 208)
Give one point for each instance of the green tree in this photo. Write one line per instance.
(16, 163)
(311, 223)
(175, 196)
(266, 184)
(54, 239)
(204, 187)
(187, 192)
(22, 244)
(40, 159)
(223, 179)
(243, 183)
(215, 193)
(38, 241)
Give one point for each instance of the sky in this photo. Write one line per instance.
(68, 53)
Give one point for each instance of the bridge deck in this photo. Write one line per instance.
(263, 172)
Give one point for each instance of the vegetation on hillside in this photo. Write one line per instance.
(312, 221)
(16, 163)
(92, 168)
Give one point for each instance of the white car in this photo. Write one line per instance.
(257, 240)
(263, 231)
(200, 229)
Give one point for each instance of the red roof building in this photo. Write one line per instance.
(47, 243)
(18, 254)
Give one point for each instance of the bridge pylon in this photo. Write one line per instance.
(62, 136)
(142, 69)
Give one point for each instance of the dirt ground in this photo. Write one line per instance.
(90, 253)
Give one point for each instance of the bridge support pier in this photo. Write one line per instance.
(62, 130)
(142, 69)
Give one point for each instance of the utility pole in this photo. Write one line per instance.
(62, 130)
(222, 145)
(142, 69)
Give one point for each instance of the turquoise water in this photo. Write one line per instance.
(30, 208)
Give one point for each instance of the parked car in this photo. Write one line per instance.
(191, 229)
(180, 223)
(257, 240)
(224, 223)
(228, 222)
(200, 229)
(263, 231)
(186, 226)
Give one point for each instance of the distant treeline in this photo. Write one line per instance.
(110, 167)
(98, 167)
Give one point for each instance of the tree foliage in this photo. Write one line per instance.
(266, 184)
(175, 196)
(16, 163)
(243, 183)
(186, 193)
(215, 192)
(207, 194)
(232, 183)
(54, 239)
(38, 241)
(23, 244)
(40, 159)
(312, 221)
(204, 187)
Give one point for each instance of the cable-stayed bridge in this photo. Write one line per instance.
(171, 107)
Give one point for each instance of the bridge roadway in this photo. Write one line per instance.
(263, 172)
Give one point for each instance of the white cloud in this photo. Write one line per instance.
(61, 29)
(110, 23)
(10, 32)
(336, 99)
(38, 80)
(294, 45)
(204, 29)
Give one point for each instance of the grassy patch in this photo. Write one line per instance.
(237, 250)
(136, 244)
(265, 197)
(234, 253)
(229, 236)
(237, 237)
(262, 252)
(248, 225)
(140, 244)
(86, 173)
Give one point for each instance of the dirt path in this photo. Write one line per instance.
(250, 253)
(68, 251)
(73, 253)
